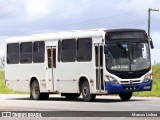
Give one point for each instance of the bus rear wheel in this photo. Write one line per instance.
(35, 92)
(85, 90)
(125, 96)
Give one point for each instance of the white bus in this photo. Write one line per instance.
(91, 62)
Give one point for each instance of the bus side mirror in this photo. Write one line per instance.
(151, 43)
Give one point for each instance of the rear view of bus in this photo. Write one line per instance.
(127, 62)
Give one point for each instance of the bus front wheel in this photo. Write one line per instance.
(125, 96)
(35, 92)
(85, 90)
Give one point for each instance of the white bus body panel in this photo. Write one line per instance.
(19, 78)
(66, 76)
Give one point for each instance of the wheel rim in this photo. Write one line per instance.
(35, 90)
(85, 91)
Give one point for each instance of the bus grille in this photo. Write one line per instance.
(130, 82)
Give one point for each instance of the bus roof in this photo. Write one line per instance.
(57, 36)
(66, 35)
(124, 30)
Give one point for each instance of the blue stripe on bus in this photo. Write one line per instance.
(124, 88)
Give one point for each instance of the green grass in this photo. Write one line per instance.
(155, 86)
(3, 88)
(155, 90)
(154, 93)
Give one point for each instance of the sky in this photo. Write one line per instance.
(27, 17)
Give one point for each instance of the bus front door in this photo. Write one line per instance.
(51, 65)
(99, 67)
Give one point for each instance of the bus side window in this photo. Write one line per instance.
(68, 50)
(84, 49)
(26, 52)
(13, 53)
(38, 52)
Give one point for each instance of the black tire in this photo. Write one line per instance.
(71, 95)
(85, 90)
(125, 96)
(35, 92)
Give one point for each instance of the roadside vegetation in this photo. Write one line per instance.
(155, 87)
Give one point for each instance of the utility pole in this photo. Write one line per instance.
(149, 20)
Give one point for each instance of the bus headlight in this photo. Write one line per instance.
(112, 79)
(147, 77)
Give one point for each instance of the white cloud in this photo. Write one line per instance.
(70, 9)
(155, 37)
(60, 10)
(76, 8)
(37, 9)
(138, 4)
(155, 53)
(2, 45)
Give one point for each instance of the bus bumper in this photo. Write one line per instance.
(124, 88)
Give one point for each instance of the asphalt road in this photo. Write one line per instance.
(102, 103)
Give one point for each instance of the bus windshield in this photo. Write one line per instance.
(127, 56)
